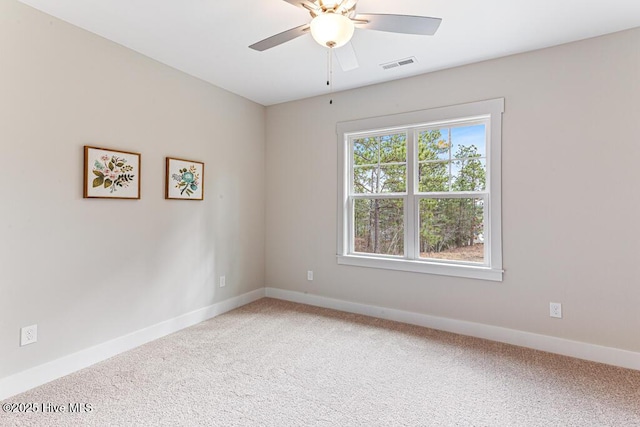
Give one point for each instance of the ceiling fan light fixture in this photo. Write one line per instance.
(332, 29)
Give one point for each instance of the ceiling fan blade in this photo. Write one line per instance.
(278, 39)
(305, 4)
(406, 24)
(347, 58)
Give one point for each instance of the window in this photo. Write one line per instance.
(420, 191)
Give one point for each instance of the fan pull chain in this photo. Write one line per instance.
(330, 73)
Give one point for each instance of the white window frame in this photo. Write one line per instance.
(491, 111)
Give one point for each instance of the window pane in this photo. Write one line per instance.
(379, 226)
(393, 148)
(365, 178)
(468, 141)
(468, 174)
(394, 179)
(433, 144)
(365, 151)
(433, 176)
(452, 229)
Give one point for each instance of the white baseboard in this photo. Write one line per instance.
(23, 381)
(580, 350)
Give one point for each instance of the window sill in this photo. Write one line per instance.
(467, 271)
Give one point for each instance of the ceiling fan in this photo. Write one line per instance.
(334, 21)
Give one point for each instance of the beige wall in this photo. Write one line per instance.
(570, 198)
(87, 271)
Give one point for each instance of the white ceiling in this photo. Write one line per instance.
(209, 38)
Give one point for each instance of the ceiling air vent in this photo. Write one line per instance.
(399, 63)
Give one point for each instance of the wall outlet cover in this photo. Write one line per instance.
(28, 335)
(555, 310)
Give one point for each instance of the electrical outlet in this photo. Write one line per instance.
(28, 335)
(223, 281)
(555, 310)
(309, 275)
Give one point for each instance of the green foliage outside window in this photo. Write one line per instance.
(447, 225)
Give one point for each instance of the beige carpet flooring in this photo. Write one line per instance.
(275, 363)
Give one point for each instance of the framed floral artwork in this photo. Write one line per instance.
(184, 180)
(111, 174)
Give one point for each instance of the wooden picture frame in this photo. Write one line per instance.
(184, 179)
(111, 174)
